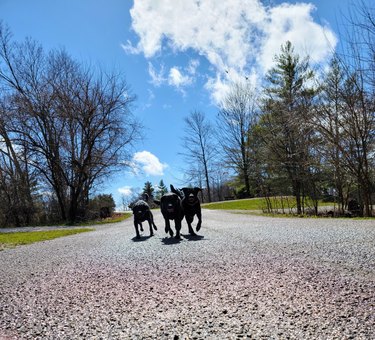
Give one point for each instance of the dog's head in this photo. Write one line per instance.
(140, 208)
(170, 203)
(191, 195)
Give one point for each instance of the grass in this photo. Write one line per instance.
(245, 204)
(258, 204)
(10, 240)
(255, 206)
(116, 217)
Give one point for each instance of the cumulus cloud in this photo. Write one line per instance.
(177, 79)
(148, 163)
(294, 22)
(176, 76)
(240, 36)
(126, 191)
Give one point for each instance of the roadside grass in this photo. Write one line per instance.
(285, 203)
(282, 207)
(115, 218)
(10, 240)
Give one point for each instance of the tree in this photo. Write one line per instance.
(359, 63)
(16, 181)
(161, 190)
(199, 148)
(102, 205)
(74, 122)
(329, 120)
(287, 132)
(237, 115)
(148, 189)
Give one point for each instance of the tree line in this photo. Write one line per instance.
(306, 133)
(64, 127)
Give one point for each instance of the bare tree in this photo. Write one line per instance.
(328, 121)
(345, 121)
(358, 118)
(94, 111)
(199, 147)
(17, 207)
(75, 123)
(237, 115)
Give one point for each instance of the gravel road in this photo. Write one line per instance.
(245, 277)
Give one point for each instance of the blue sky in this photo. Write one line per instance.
(178, 56)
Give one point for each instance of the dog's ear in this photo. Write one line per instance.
(185, 190)
(196, 190)
(157, 202)
(176, 191)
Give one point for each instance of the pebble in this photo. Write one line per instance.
(248, 277)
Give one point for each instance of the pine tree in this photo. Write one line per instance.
(162, 189)
(288, 97)
(148, 189)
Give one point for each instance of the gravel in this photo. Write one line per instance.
(245, 277)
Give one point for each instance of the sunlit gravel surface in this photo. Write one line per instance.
(247, 277)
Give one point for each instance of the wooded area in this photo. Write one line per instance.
(308, 133)
(63, 128)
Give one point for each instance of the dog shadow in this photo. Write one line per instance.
(141, 239)
(171, 240)
(190, 237)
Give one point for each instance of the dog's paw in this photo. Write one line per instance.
(199, 226)
(155, 227)
(171, 232)
(192, 232)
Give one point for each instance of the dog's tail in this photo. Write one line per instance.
(178, 192)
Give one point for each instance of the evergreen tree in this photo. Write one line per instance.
(162, 189)
(287, 105)
(148, 189)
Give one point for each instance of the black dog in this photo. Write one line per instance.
(171, 209)
(142, 212)
(191, 206)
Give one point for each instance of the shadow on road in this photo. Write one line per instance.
(193, 237)
(170, 240)
(141, 239)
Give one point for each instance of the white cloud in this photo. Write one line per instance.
(236, 35)
(126, 191)
(177, 79)
(192, 67)
(295, 23)
(157, 77)
(148, 163)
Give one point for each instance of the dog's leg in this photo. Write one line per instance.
(136, 229)
(152, 221)
(150, 225)
(189, 221)
(140, 225)
(168, 228)
(178, 229)
(199, 215)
